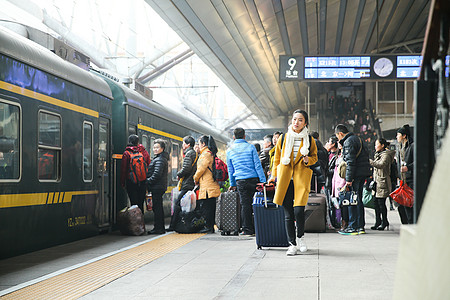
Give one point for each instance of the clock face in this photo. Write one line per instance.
(383, 67)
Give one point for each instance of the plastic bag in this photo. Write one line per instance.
(190, 222)
(173, 199)
(347, 196)
(188, 202)
(403, 195)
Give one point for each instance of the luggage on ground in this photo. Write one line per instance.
(190, 222)
(228, 213)
(316, 212)
(131, 221)
(270, 228)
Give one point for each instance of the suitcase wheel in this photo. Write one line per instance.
(236, 233)
(259, 247)
(222, 233)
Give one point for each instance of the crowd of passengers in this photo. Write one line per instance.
(296, 162)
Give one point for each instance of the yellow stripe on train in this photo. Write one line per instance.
(47, 99)
(32, 199)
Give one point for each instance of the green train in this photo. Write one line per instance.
(62, 133)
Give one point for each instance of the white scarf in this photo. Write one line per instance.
(289, 144)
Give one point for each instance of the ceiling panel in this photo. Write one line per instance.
(242, 40)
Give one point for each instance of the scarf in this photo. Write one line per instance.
(290, 136)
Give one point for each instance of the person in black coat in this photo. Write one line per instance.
(185, 177)
(157, 184)
(356, 156)
(405, 155)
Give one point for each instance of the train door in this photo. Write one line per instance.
(104, 165)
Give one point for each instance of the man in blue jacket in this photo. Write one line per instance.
(244, 171)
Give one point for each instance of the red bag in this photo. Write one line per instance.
(403, 195)
(138, 167)
(270, 187)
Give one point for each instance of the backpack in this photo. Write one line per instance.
(138, 167)
(220, 170)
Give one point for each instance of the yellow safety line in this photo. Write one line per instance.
(83, 280)
(47, 99)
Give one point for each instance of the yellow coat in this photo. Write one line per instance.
(297, 170)
(208, 187)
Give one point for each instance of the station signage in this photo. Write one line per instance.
(366, 67)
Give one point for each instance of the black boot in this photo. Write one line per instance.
(377, 215)
(383, 209)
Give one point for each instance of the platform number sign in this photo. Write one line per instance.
(290, 67)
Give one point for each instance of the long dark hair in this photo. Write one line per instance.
(210, 143)
(304, 113)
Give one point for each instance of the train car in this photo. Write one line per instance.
(135, 114)
(51, 119)
(62, 133)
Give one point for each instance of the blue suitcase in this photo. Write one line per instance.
(270, 229)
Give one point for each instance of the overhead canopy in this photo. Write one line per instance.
(242, 40)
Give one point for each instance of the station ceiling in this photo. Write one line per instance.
(241, 41)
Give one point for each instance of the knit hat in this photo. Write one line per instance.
(404, 130)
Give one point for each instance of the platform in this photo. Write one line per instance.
(174, 266)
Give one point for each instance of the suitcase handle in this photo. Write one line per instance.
(265, 197)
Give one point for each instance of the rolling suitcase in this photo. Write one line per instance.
(228, 213)
(270, 229)
(316, 212)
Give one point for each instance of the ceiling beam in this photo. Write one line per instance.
(370, 31)
(358, 18)
(301, 6)
(388, 21)
(403, 16)
(340, 26)
(413, 20)
(323, 25)
(279, 14)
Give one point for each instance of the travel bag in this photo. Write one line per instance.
(270, 228)
(316, 212)
(228, 213)
(131, 221)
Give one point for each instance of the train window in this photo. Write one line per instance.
(131, 129)
(175, 153)
(9, 141)
(150, 150)
(88, 142)
(49, 147)
(146, 142)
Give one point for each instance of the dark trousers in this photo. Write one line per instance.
(406, 214)
(246, 189)
(380, 212)
(158, 211)
(293, 213)
(176, 210)
(136, 193)
(356, 215)
(208, 210)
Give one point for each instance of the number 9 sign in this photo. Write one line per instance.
(292, 62)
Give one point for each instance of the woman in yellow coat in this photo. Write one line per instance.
(209, 189)
(295, 152)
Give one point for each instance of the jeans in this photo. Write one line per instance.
(176, 210)
(356, 217)
(158, 211)
(292, 214)
(136, 193)
(208, 210)
(247, 189)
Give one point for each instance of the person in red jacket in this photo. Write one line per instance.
(136, 191)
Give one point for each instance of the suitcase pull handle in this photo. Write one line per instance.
(265, 196)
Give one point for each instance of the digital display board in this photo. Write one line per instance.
(367, 67)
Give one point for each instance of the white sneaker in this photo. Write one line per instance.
(292, 250)
(302, 245)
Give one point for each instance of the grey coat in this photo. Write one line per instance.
(381, 172)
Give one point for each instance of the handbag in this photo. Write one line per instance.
(367, 198)
(347, 196)
(403, 195)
